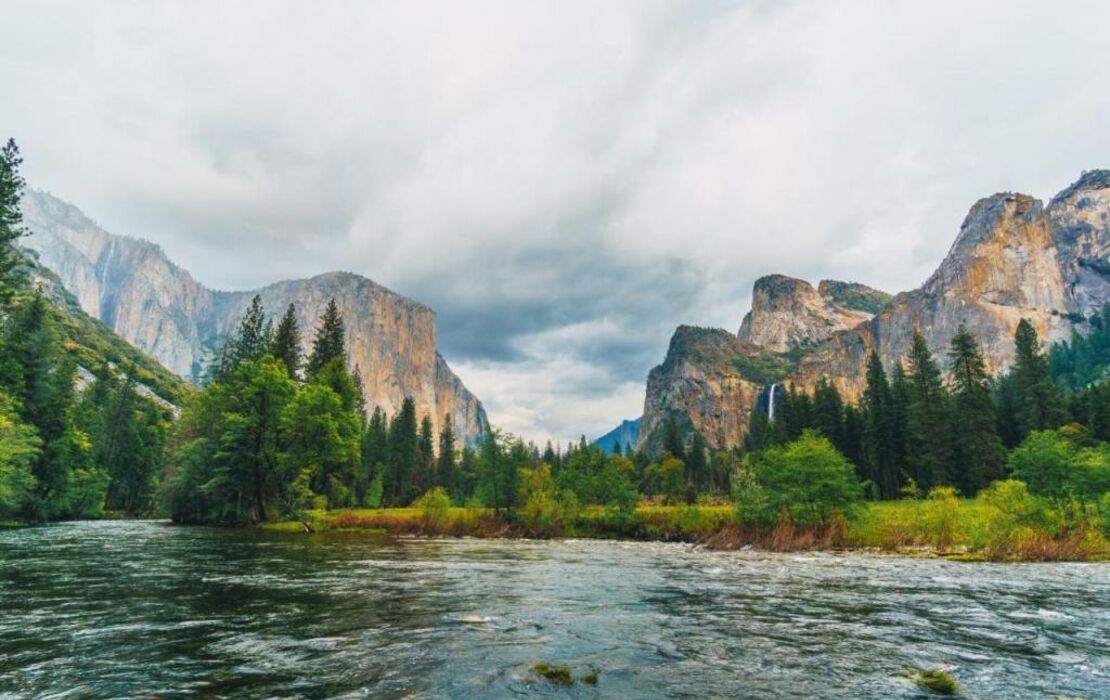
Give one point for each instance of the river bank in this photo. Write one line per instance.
(956, 529)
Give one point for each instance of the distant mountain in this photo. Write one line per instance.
(1014, 258)
(627, 435)
(131, 286)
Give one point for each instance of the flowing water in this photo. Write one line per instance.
(145, 609)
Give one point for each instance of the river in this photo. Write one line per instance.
(146, 609)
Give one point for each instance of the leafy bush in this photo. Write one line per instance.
(940, 515)
(433, 506)
(807, 481)
(1053, 464)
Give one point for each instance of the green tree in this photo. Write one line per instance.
(329, 342)
(11, 219)
(446, 460)
(426, 472)
(697, 463)
(404, 456)
(674, 441)
(806, 480)
(499, 471)
(828, 413)
(286, 342)
(880, 430)
(320, 439)
(1038, 403)
(375, 455)
(928, 450)
(976, 445)
(20, 448)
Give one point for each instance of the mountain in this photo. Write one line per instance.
(627, 435)
(789, 313)
(1013, 258)
(97, 350)
(133, 287)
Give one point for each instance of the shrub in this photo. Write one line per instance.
(807, 480)
(556, 675)
(1009, 517)
(940, 516)
(433, 506)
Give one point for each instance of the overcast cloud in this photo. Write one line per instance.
(563, 182)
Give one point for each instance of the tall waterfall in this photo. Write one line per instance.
(771, 404)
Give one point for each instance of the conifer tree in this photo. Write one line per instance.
(978, 449)
(329, 342)
(446, 464)
(1039, 406)
(427, 472)
(286, 343)
(697, 462)
(673, 440)
(11, 218)
(375, 452)
(929, 453)
(828, 413)
(879, 430)
(404, 456)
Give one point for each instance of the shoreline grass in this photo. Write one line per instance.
(966, 530)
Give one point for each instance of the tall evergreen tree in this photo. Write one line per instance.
(929, 449)
(427, 477)
(375, 455)
(674, 442)
(286, 343)
(828, 413)
(978, 449)
(404, 456)
(330, 340)
(11, 218)
(880, 436)
(697, 462)
(1038, 404)
(446, 461)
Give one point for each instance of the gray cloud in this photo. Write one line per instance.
(563, 182)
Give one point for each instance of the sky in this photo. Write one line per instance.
(563, 182)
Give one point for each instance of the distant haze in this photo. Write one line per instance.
(563, 183)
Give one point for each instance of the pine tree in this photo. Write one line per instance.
(1038, 403)
(11, 218)
(375, 453)
(880, 439)
(446, 463)
(329, 342)
(929, 453)
(286, 343)
(978, 449)
(828, 413)
(674, 442)
(427, 471)
(404, 456)
(697, 462)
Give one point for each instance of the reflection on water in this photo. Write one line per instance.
(126, 609)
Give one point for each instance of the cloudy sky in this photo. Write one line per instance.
(563, 182)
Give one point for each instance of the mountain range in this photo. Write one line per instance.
(1013, 258)
(138, 292)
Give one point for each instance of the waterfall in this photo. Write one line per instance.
(107, 259)
(771, 404)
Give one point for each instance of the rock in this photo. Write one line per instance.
(1014, 258)
(788, 313)
(132, 287)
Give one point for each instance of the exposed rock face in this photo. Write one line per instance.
(627, 434)
(1014, 258)
(133, 288)
(700, 384)
(788, 313)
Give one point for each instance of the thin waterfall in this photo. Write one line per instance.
(771, 404)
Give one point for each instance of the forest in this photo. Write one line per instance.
(276, 436)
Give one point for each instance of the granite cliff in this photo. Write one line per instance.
(1013, 258)
(134, 289)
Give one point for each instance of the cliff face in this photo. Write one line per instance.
(789, 313)
(132, 287)
(1014, 258)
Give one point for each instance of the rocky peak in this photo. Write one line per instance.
(132, 287)
(789, 313)
(1080, 219)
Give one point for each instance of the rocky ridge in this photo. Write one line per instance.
(1014, 258)
(134, 289)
